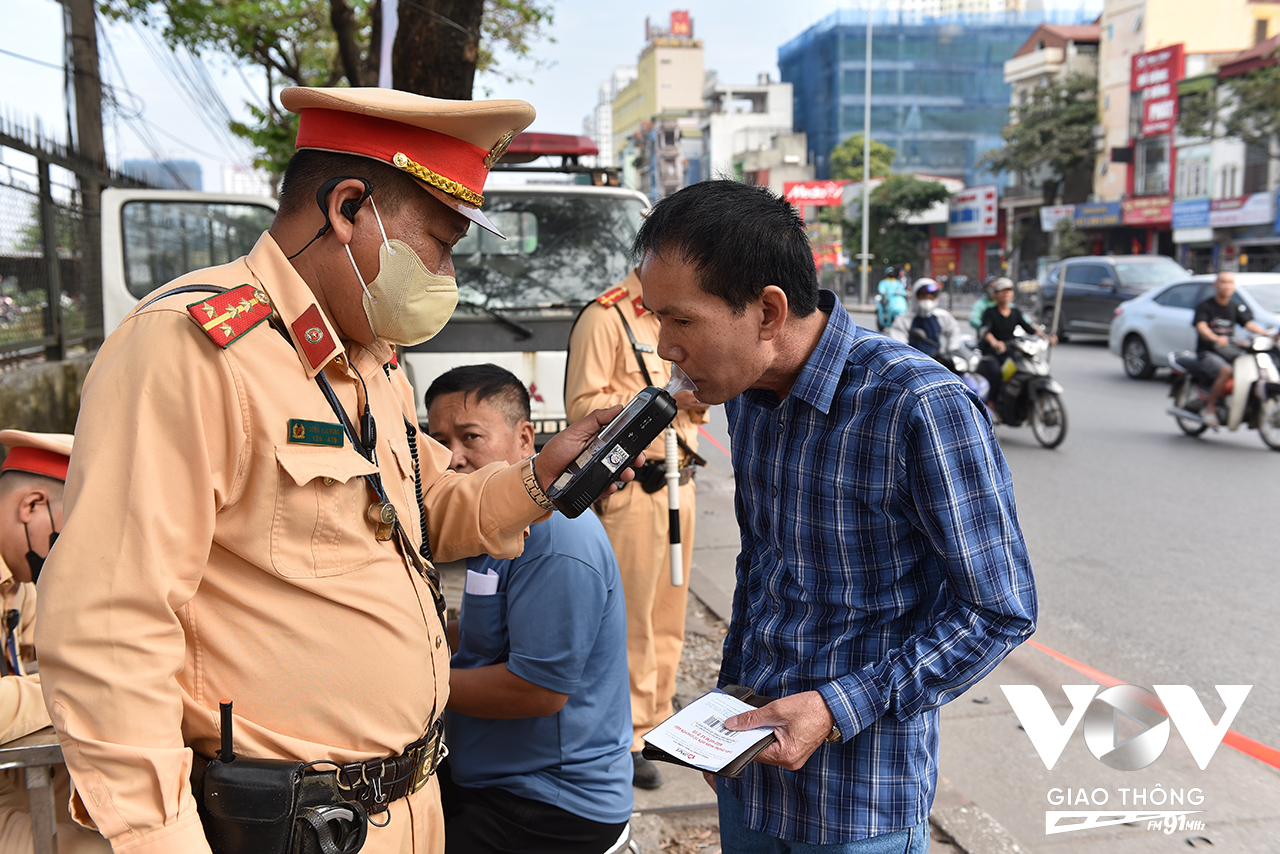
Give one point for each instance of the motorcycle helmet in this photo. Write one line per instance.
(889, 273)
(1003, 283)
(926, 287)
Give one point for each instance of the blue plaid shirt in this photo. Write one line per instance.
(882, 565)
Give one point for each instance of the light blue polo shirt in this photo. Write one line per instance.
(558, 620)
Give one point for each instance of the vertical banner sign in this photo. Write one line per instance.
(1156, 74)
(680, 23)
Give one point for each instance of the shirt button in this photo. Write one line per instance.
(438, 641)
(773, 490)
(328, 481)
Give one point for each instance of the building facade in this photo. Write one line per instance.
(938, 94)
(669, 77)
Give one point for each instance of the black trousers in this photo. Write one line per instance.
(494, 821)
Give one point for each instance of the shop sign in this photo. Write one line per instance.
(814, 192)
(1156, 74)
(973, 212)
(1101, 215)
(1147, 210)
(1242, 210)
(1192, 213)
(1050, 215)
(944, 256)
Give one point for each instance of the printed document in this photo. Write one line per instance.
(696, 733)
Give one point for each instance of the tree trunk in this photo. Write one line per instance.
(359, 70)
(437, 44)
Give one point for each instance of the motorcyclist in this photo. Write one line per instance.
(1215, 320)
(941, 332)
(893, 298)
(980, 307)
(999, 325)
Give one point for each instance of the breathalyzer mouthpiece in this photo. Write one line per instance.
(679, 382)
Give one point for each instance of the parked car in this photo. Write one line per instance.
(1148, 327)
(1093, 285)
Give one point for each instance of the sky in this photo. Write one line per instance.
(158, 116)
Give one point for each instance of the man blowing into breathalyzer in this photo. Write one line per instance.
(882, 569)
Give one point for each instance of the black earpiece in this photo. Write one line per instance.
(349, 208)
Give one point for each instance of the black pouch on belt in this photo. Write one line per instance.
(274, 806)
(652, 476)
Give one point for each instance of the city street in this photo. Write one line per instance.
(1155, 560)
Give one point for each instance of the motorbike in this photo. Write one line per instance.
(889, 306)
(1028, 393)
(1252, 396)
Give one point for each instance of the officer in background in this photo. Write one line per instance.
(31, 486)
(251, 513)
(612, 357)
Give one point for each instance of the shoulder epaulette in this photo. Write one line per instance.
(226, 316)
(609, 297)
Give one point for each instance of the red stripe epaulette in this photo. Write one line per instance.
(226, 316)
(609, 297)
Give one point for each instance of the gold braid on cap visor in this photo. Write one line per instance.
(422, 173)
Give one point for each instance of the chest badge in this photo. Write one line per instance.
(315, 433)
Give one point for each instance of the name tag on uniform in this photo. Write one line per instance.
(314, 433)
(645, 348)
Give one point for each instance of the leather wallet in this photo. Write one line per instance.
(734, 768)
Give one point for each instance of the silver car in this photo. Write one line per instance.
(1148, 327)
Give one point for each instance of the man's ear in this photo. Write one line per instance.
(30, 503)
(774, 311)
(344, 202)
(525, 435)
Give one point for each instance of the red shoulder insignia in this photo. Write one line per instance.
(609, 297)
(226, 316)
(638, 305)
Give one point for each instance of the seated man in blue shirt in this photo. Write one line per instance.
(882, 569)
(539, 716)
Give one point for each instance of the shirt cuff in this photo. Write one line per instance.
(185, 836)
(855, 702)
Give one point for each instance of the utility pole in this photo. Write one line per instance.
(82, 33)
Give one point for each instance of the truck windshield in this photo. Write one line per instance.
(163, 240)
(561, 249)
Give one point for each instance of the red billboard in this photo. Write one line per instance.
(944, 256)
(680, 23)
(1156, 74)
(814, 192)
(1147, 210)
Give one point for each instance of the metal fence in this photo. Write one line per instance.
(50, 247)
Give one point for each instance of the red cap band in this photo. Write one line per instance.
(381, 139)
(37, 461)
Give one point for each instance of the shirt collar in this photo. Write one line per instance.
(819, 379)
(313, 336)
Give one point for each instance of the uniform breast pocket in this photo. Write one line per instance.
(318, 527)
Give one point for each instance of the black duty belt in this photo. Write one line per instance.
(375, 784)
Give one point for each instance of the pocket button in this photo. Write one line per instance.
(328, 481)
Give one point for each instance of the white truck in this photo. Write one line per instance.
(518, 298)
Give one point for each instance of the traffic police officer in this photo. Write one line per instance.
(612, 357)
(31, 487)
(247, 503)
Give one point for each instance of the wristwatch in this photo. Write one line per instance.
(833, 737)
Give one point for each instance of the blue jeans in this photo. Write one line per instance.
(735, 838)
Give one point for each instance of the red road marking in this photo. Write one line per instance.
(1233, 739)
(712, 440)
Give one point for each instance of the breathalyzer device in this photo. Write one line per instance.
(617, 445)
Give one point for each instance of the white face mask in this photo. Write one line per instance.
(924, 307)
(406, 303)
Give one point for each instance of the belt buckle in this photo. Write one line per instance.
(428, 757)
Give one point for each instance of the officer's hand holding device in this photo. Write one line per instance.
(617, 446)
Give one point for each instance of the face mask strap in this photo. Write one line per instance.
(378, 217)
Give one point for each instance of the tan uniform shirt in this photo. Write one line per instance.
(602, 369)
(22, 710)
(206, 557)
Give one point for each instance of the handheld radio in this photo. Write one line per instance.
(617, 445)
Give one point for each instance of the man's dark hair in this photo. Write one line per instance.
(308, 169)
(739, 238)
(485, 381)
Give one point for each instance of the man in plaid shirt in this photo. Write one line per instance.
(882, 569)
